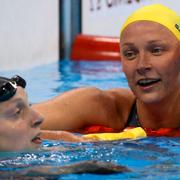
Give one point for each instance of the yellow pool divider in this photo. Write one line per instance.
(134, 133)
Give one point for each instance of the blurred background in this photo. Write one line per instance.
(35, 32)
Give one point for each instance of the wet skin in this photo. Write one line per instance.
(19, 124)
(151, 61)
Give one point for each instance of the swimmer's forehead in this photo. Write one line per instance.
(156, 13)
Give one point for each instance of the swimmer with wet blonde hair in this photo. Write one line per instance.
(150, 53)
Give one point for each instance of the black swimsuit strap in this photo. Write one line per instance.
(133, 117)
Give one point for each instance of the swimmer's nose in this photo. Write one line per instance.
(37, 119)
(143, 65)
(143, 70)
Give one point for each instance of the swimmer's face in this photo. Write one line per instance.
(19, 124)
(151, 61)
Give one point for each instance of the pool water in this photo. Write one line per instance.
(47, 81)
(148, 158)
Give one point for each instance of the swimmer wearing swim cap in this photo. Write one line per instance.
(150, 56)
(8, 87)
(156, 13)
(20, 124)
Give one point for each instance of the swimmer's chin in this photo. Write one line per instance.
(153, 98)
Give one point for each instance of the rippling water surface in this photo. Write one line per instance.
(149, 158)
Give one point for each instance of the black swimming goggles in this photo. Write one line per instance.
(8, 87)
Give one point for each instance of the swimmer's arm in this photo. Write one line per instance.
(62, 136)
(83, 107)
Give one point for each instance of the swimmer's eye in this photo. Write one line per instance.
(18, 111)
(15, 114)
(129, 54)
(157, 51)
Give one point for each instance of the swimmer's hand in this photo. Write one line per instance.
(63, 136)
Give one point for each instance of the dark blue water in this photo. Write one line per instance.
(149, 158)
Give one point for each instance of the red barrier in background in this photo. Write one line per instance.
(88, 47)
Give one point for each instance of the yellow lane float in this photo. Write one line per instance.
(134, 133)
